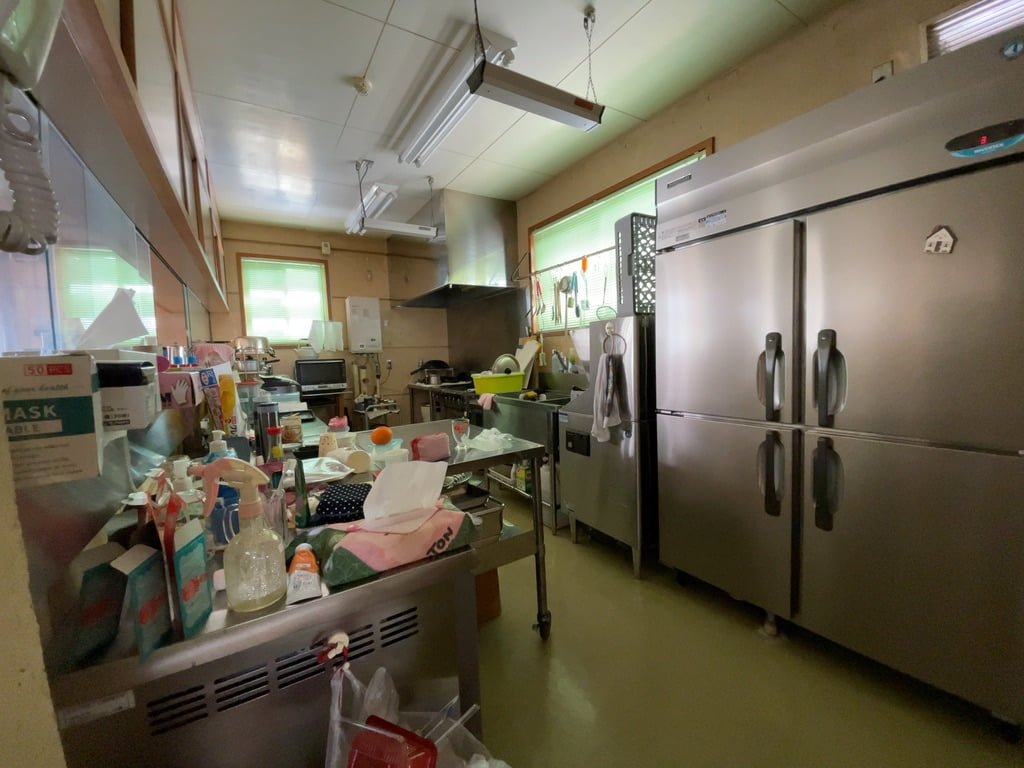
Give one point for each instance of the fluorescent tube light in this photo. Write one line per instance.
(451, 99)
(397, 228)
(374, 202)
(516, 90)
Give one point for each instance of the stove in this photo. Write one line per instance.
(450, 401)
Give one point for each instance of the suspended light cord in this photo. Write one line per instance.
(362, 168)
(589, 22)
(433, 209)
(479, 35)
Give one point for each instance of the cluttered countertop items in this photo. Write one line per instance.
(276, 534)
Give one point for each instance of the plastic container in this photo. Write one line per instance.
(496, 383)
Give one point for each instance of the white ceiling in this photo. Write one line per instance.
(284, 125)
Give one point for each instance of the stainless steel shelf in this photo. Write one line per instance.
(505, 482)
(513, 544)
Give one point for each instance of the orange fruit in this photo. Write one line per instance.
(381, 436)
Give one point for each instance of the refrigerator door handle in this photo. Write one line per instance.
(827, 484)
(771, 461)
(772, 376)
(826, 350)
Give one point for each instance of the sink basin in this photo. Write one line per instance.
(551, 400)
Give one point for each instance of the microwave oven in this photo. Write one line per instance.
(321, 376)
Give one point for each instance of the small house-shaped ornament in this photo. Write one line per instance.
(940, 241)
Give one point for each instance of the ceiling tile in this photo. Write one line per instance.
(549, 32)
(504, 182)
(485, 121)
(247, 189)
(378, 9)
(298, 56)
(365, 145)
(664, 53)
(265, 139)
(404, 66)
(544, 146)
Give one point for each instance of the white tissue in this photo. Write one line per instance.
(405, 487)
(116, 322)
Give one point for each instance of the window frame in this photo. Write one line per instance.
(284, 260)
(707, 146)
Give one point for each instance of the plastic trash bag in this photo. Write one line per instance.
(381, 698)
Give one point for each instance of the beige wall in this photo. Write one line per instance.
(831, 57)
(357, 266)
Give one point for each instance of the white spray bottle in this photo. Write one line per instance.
(254, 564)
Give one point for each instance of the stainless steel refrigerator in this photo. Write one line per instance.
(609, 486)
(840, 363)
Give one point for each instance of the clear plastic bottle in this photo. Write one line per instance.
(254, 564)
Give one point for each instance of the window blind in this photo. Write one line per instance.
(971, 23)
(587, 231)
(282, 298)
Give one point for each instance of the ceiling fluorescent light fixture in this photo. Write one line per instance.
(374, 202)
(451, 100)
(522, 92)
(398, 228)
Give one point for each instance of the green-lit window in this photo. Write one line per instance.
(282, 297)
(86, 280)
(590, 230)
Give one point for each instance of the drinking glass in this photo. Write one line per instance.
(460, 430)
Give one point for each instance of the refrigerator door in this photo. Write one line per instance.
(912, 555)
(725, 326)
(926, 344)
(725, 499)
(600, 482)
(631, 337)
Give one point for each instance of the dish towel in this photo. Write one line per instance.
(611, 403)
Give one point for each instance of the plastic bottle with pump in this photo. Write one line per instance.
(254, 564)
(219, 448)
(182, 485)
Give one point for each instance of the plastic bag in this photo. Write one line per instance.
(381, 698)
(337, 740)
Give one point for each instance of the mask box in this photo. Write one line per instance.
(53, 417)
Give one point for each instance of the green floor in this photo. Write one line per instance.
(650, 673)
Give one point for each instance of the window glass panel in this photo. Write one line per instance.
(590, 230)
(282, 298)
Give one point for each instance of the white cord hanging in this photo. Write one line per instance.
(32, 223)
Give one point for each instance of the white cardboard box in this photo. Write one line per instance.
(52, 417)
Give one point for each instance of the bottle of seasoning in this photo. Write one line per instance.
(276, 447)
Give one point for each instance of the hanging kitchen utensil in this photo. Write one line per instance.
(585, 303)
(576, 295)
(570, 295)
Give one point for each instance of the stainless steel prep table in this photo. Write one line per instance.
(514, 543)
(250, 690)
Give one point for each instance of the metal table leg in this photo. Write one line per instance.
(543, 614)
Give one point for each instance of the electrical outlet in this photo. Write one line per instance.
(388, 365)
(325, 248)
(881, 72)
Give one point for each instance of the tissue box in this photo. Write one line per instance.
(180, 389)
(53, 418)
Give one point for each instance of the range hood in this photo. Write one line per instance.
(475, 247)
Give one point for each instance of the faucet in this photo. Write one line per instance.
(562, 362)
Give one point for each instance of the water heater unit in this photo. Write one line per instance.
(363, 315)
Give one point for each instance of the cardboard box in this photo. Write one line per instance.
(180, 389)
(52, 417)
(129, 393)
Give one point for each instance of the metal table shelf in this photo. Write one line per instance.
(474, 460)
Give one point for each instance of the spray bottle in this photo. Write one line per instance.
(254, 565)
